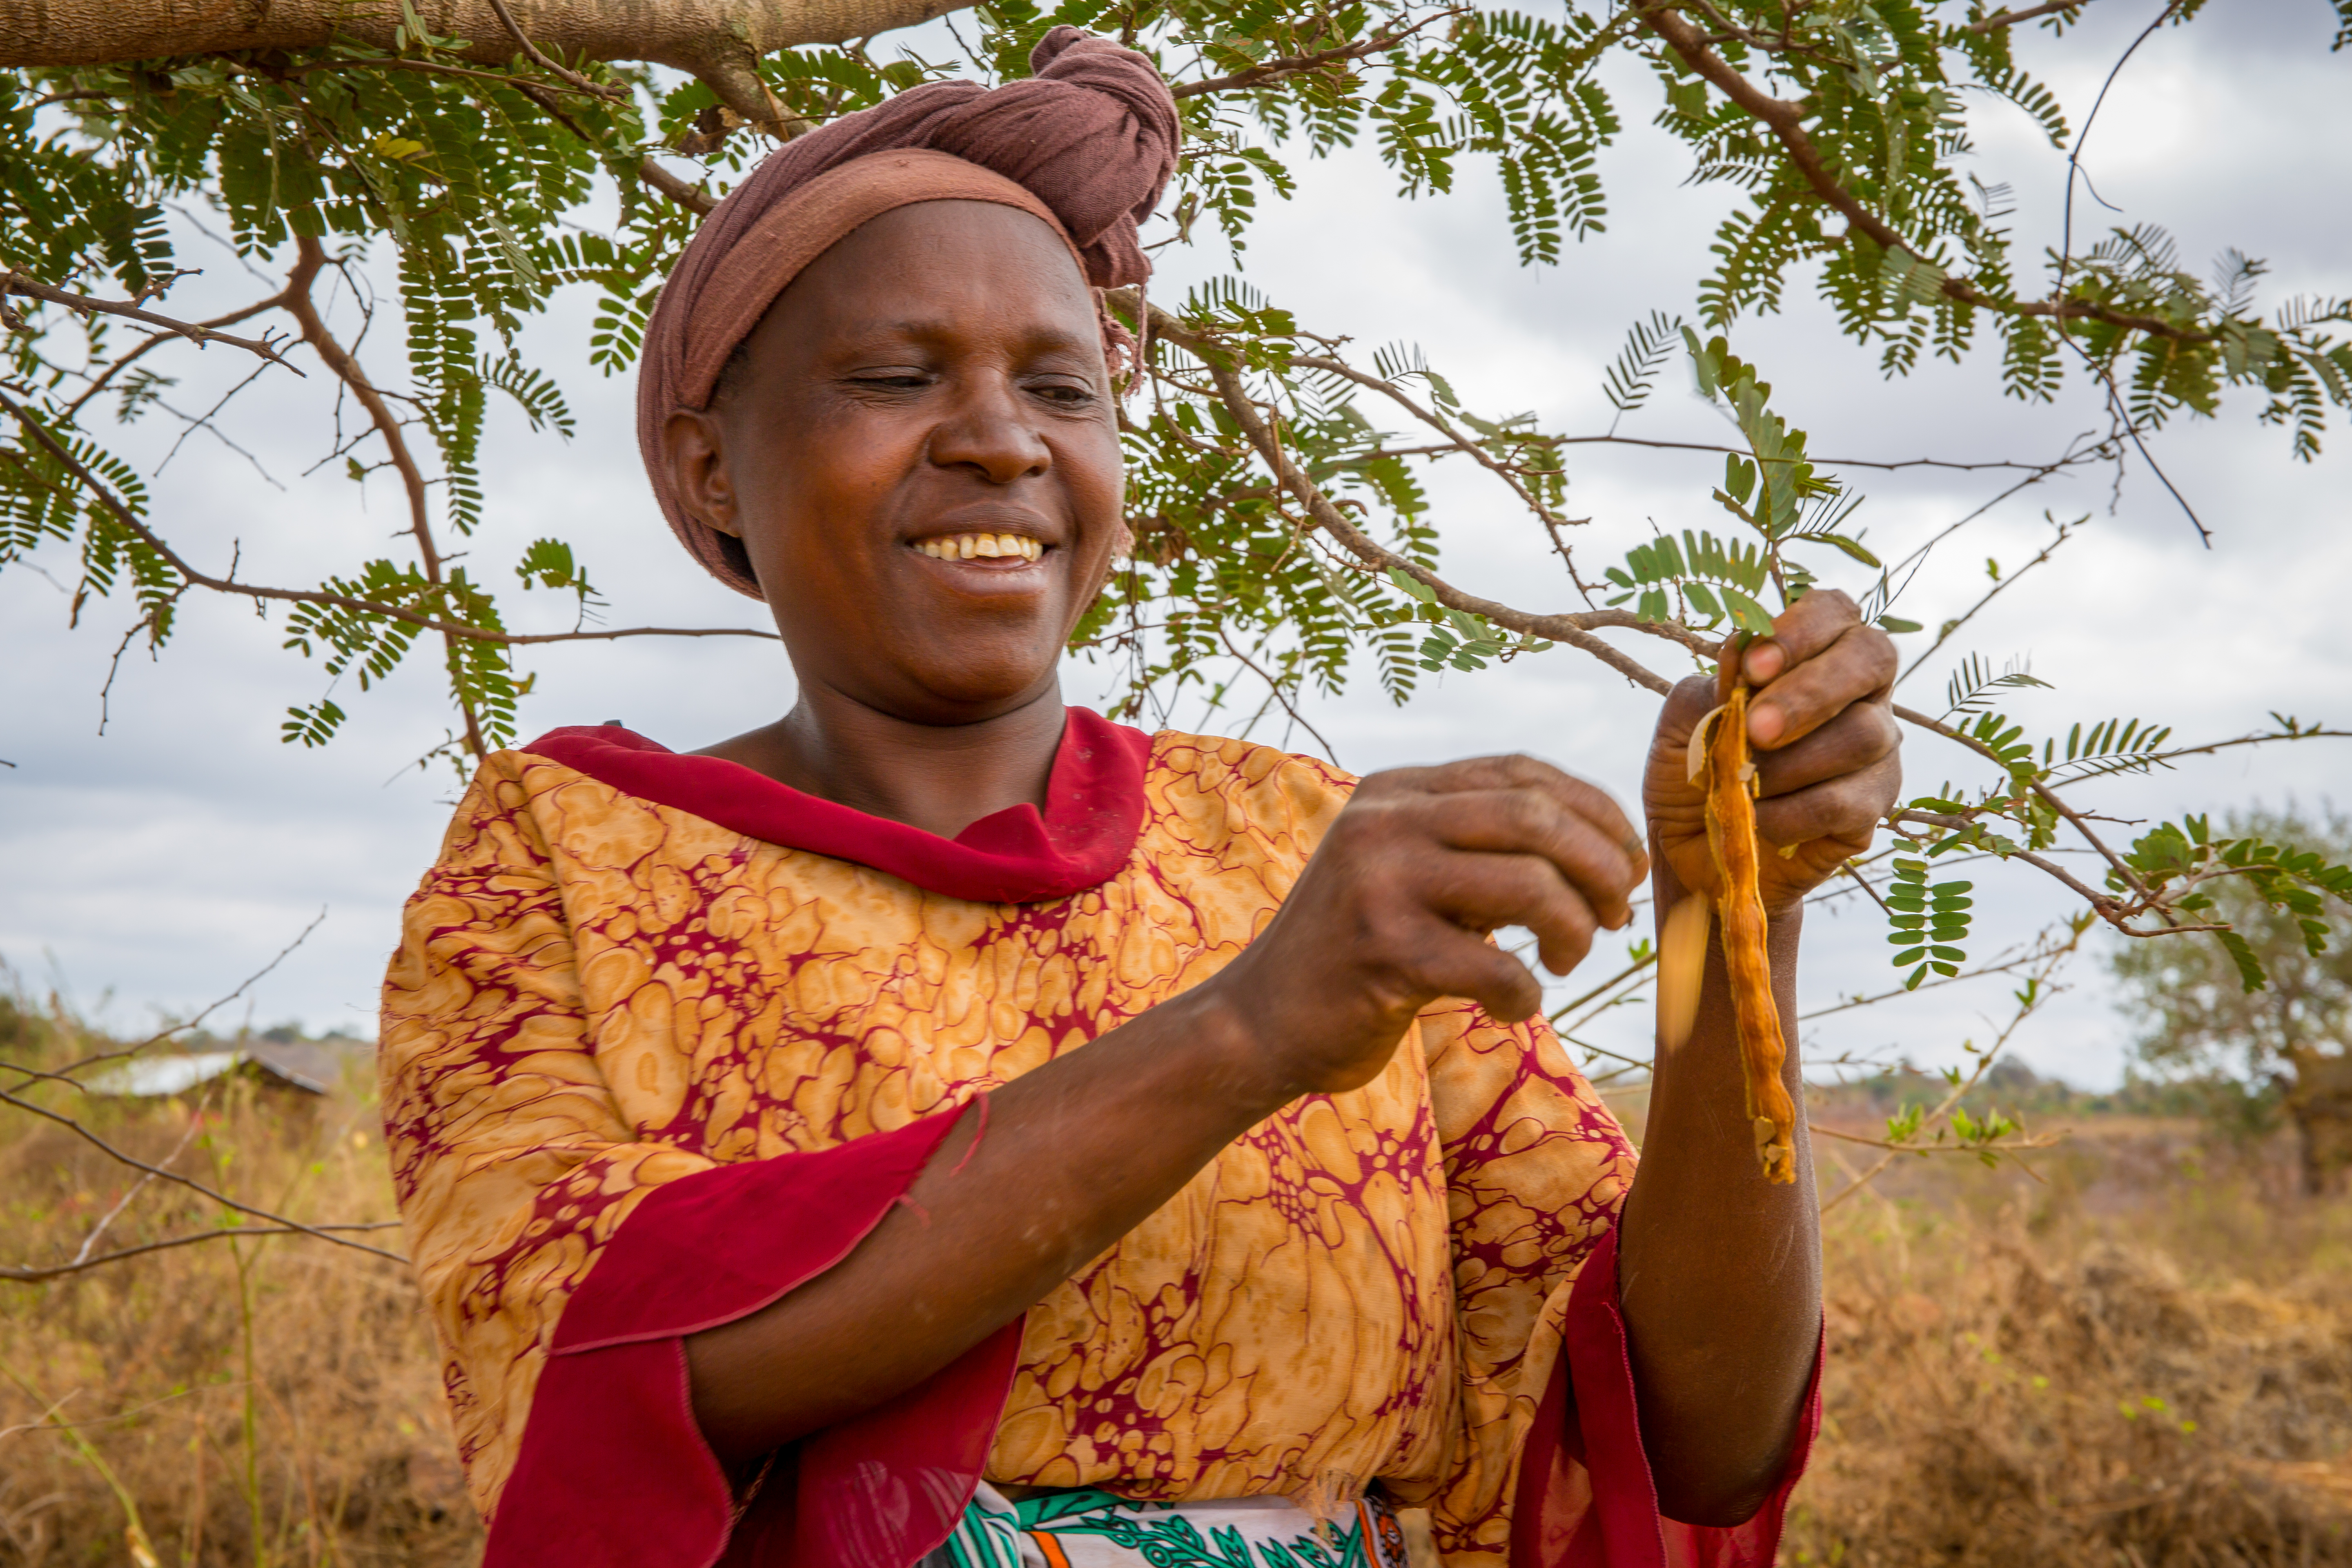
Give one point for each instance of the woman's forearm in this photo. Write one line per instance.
(1076, 1154)
(1719, 1272)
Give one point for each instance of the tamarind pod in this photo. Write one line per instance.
(1731, 837)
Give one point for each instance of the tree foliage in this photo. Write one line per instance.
(1286, 537)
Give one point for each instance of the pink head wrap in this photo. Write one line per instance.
(1087, 144)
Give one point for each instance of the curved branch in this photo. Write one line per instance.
(1785, 120)
(693, 199)
(1294, 65)
(148, 536)
(29, 1275)
(78, 1130)
(196, 332)
(688, 35)
(2001, 19)
(1575, 629)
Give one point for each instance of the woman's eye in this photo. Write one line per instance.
(1066, 394)
(892, 381)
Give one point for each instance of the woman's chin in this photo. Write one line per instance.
(977, 687)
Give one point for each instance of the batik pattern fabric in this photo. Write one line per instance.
(663, 1039)
(1089, 1527)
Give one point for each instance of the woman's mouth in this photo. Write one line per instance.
(981, 547)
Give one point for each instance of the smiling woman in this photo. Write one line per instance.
(941, 1125)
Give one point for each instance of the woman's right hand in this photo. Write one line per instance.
(1393, 911)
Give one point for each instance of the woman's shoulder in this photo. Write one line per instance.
(1235, 788)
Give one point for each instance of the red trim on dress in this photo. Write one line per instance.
(1093, 812)
(1586, 1498)
(613, 1471)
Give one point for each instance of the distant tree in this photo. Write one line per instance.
(2205, 1019)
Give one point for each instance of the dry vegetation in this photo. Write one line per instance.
(2144, 1359)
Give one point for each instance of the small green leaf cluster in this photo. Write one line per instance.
(1464, 641)
(1929, 924)
(2188, 854)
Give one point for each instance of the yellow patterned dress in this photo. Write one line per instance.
(663, 1038)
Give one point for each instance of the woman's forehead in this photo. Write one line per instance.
(937, 270)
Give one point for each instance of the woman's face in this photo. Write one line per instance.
(919, 455)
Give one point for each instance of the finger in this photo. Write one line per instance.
(1848, 744)
(1692, 699)
(1798, 632)
(1481, 892)
(1441, 959)
(1603, 868)
(1861, 663)
(1847, 807)
(1578, 795)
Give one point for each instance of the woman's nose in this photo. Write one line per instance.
(990, 431)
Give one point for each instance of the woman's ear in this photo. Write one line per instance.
(696, 445)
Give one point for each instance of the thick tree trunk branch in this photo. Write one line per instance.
(1785, 120)
(698, 35)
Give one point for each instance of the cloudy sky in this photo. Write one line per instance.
(150, 867)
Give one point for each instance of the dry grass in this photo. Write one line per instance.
(318, 1438)
(2145, 1362)
(2145, 1359)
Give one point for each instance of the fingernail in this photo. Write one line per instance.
(1765, 723)
(1764, 660)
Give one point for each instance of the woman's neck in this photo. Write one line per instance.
(941, 778)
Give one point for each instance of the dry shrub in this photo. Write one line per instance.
(258, 1402)
(2146, 1362)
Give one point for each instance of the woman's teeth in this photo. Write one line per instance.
(983, 546)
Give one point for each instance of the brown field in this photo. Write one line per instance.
(2143, 1359)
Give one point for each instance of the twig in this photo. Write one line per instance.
(34, 1276)
(1571, 629)
(310, 258)
(2048, 796)
(13, 282)
(1275, 688)
(1785, 120)
(2038, 1141)
(2030, 1002)
(81, 1253)
(530, 52)
(2000, 20)
(677, 190)
(1292, 65)
(130, 521)
(85, 1134)
(65, 1075)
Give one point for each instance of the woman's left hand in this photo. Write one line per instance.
(1826, 747)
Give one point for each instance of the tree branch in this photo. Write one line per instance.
(130, 521)
(87, 1135)
(530, 52)
(2047, 795)
(29, 1275)
(1785, 120)
(196, 332)
(693, 200)
(2001, 19)
(1573, 629)
(1294, 65)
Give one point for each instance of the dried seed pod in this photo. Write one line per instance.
(1719, 756)
(1731, 837)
